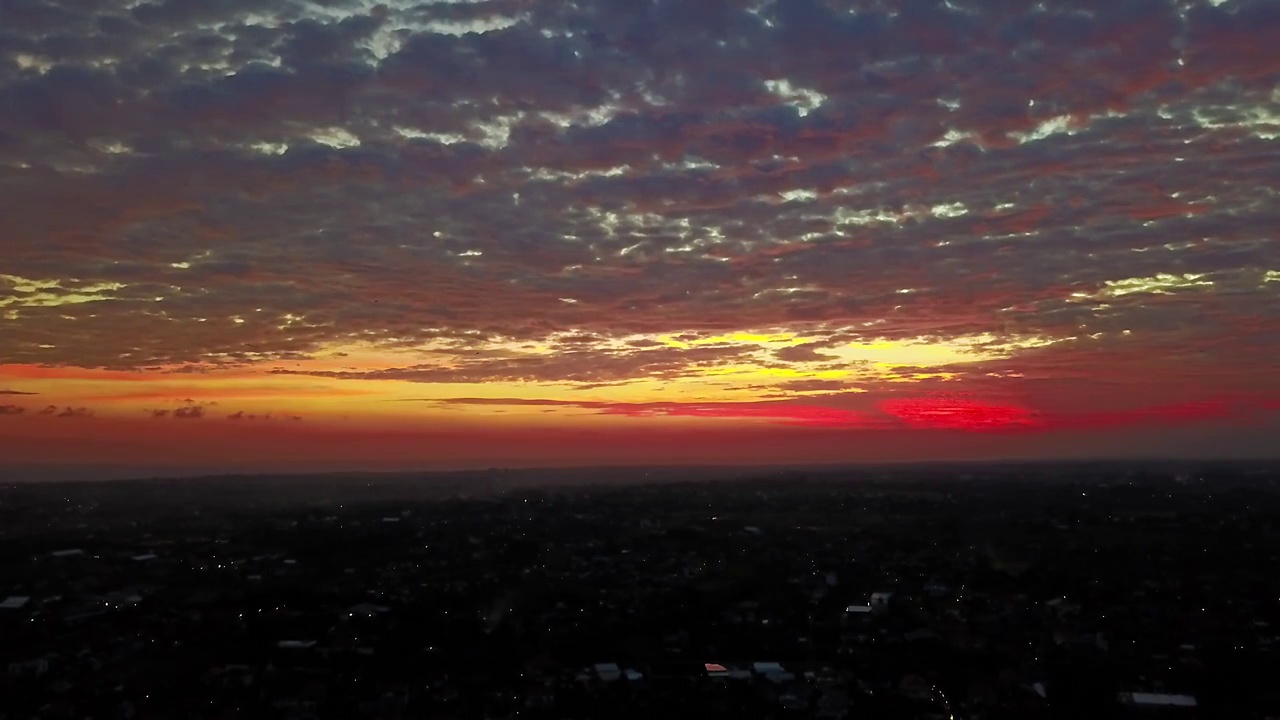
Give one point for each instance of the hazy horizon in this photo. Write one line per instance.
(11, 474)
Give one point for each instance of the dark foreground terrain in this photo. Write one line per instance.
(1021, 592)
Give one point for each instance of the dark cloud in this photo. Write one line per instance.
(189, 412)
(67, 412)
(191, 185)
(241, 415)
(16, 392)
(801, 353)
(12, 409)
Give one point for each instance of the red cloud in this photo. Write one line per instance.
(963, 414)
(958, 414)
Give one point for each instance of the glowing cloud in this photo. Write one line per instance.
(1159, 284)
(942, 412)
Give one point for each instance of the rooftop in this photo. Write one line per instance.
(1141, 698)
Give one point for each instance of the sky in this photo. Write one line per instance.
(331, 234)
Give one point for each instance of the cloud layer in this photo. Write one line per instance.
(1080, 196)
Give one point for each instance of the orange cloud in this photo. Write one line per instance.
(806, 415)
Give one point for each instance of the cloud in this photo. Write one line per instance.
(507, 191)
(66, 412)
(802, 353)
(936, 411)
(190, 409)
(16, 392)
(569, 363)
(12, 409)
(959, 413)
(1199, 411)
(781, 412)
(240, 415)
(785, 413)
(692, 182)
(189, 412)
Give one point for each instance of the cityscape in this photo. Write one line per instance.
(1009, 591)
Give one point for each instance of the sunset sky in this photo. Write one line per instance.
(308, 234)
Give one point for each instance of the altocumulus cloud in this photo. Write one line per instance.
(187, 180)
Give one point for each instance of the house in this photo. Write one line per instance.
(793, 699)
(296, 644)
(920, 634)
(121, 599)
(1157, 700)
(608, 672)
(833, 703)
(39, 666)
(85, 611)
(366, 610)
(770, 671)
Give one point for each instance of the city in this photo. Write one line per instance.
(1003, 591)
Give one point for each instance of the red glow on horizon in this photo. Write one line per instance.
(957, 414)
(1187, 412)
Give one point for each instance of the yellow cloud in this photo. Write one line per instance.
(921, 352)
(755, 371)
(50, 293)
(1158, 284)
